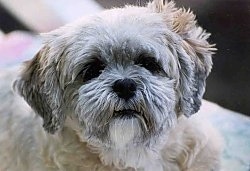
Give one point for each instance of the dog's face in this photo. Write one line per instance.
(124, 76)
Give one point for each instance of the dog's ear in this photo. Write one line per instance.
(38, 84)
(194, 54)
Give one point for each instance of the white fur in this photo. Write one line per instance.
(117, 130)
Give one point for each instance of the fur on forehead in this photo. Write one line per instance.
(156, 20)
(130, 31)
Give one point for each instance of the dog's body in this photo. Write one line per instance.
(25, 146)
(113, 92)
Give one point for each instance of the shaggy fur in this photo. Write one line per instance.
(163, 56)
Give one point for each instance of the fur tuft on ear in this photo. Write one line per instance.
(194, 54)
(184, 21)
(38, 84)
(167, 9)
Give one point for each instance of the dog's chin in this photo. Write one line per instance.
(126, 129)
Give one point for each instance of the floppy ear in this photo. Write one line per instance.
(38, 84)
(194, 54)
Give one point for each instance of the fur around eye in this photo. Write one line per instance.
(93, 70)
(149, 63)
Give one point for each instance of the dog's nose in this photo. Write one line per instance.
(125, 88)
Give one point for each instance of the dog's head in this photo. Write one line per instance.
(125, 73)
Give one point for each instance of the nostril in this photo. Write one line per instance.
(125, 88)
(132, 86)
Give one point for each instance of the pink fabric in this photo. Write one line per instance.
(16, 47)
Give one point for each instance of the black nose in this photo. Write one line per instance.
(125, 88)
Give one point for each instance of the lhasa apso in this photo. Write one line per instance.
(113, 92)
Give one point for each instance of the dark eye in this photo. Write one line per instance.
(93, 69)
(149, 63)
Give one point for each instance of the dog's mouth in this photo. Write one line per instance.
(132, 114)
(126, 114)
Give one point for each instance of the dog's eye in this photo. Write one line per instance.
(149, 63)
(93, 69)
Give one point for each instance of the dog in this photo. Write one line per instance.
(113, 91)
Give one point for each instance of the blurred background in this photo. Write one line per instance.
(227, 20)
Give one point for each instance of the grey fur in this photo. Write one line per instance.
(39, 87)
